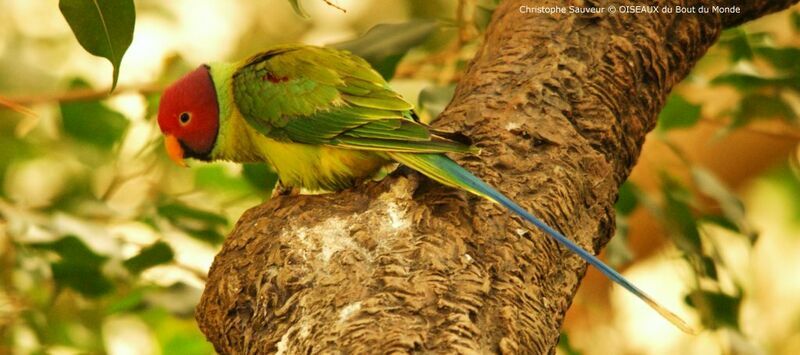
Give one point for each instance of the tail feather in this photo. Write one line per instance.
(448, 172)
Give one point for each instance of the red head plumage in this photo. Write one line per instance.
(189, 116)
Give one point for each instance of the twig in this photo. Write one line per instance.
(787, 135)
(18, 103)
(335, 6)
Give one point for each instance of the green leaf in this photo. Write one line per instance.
(795, 18)
(736, 39)
(298, 9)
(434, 99)
(156, 254)
(85, 278)
(709, 267)
(709, 185)
(759, 106)
(103, 27)
(679, 216)
(716, 309)
(202, 225)
(260, 176)
(565, 345)
(73, 250)
(178, 212)
(784, 59)
(678, 113)
(626, 200)
(384, 45)
(748, 82)
(91, 121)
(214, 176)
(79, 267)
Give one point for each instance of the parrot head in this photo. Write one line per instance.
(188, 115)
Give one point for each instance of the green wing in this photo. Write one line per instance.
(324, 96)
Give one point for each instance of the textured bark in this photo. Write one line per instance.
(560, 105)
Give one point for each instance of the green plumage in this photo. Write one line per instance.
(322, 117)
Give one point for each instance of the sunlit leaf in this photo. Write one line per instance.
(709, 185)
(156, 254)
(678, 113)
(384, 45)
(92, 121)
(104, 28)
(217, 177)
(716, 309)
(127, 302)
(298, 8)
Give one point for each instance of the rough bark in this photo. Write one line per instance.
(560, 105)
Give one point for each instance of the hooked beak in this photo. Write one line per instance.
(174, 150)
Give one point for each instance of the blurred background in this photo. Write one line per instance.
(105, 244)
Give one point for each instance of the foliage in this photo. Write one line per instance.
(103, 28)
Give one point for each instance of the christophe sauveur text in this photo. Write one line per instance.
(630, 9)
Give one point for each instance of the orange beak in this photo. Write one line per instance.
(174, 150)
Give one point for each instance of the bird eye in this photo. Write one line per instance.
(185, 117)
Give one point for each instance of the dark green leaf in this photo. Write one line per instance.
(213, 176)
(91, 121)
(260, 176)
(709, 267)
(434, 99)
(749, 82)
(103, 27)
(758, 106)
(716, 309)
(565, 345)
(177, 212)
(678, 113)
(626, 200)
(202, 225)
(85, 278)
(736, 39)
(384, 45)
(679, 216)
(73, 250)
(156, 254)
(795, 18)
(298, 9)
(784, 59)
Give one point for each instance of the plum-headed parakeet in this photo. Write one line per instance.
(323, 119)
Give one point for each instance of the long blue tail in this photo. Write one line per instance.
(448, 172)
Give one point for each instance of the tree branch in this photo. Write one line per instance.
(560, 105)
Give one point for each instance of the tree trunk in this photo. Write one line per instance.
(560, 105)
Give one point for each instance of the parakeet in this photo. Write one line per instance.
(324, 119)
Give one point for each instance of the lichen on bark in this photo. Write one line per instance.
(560, 105)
